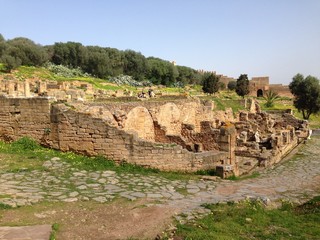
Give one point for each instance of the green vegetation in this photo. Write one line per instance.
(210, 83)
(100, 62)
(251, 220)
(271, 97)
(307, 94)
(55, 229)
(232, 85)
(4, 206)
(242, 86)
(26, 155)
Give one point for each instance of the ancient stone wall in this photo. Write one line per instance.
(267, 138)
(24, 117)
(80, 132)
(189, 139)
(282, 90)
(61, 127)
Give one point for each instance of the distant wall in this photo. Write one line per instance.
(282, 90)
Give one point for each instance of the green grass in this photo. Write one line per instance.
(2, 67)
(251, 220)
(4, 206)
(24, 72)
(26, 155)
(223, 104)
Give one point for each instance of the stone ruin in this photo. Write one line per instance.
(183, 134)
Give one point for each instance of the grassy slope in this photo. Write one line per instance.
(251, 220)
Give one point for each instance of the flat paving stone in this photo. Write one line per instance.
(38, 232)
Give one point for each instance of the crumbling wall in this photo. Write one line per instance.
(61, 127)
(267, 138)
(134, 134)
(24, 117)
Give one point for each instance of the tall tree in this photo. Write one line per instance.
(242, 87)
(307, 94)
(70, 54)
(210, 83)
(161, 71)
(135, 64)
(3, 45)
(27, 51)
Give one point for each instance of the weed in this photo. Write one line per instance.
(24, 144)
(55, 228)
(182, 191)
(210, 172)
(5, 206)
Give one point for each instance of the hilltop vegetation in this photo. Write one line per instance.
(100, 62)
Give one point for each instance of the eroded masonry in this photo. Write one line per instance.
(179, 134)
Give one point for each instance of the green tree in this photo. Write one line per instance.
(242, 87)
(2, 38)
(307, 94)
(270, 98)
(98, 63)
(71, 54)
(135, 65)
(222, 86)
(27, 51)
(232, 85)
(161, 71)
(3, 45)
(210, 83)
(10, 62)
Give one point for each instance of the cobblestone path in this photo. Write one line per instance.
(295, 180)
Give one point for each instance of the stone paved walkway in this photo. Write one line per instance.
(295, 180)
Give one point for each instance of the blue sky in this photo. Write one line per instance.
(276, 38)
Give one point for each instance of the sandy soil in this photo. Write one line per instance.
(87, 220)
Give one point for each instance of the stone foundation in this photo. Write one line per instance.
(181, 135)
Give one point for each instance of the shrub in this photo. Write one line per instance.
(63, 71)
(24, 144)
(128, 80)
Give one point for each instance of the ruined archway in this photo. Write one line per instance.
(259, 93)
(189, 115)
(168, 116)
(140, 122)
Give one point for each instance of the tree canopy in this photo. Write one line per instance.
(242, 87)
(21, 51)
(232, 85)
(307, 94)
(101, 62)
(211, 83)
